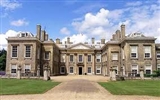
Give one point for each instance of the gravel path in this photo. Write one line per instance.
(77, 89)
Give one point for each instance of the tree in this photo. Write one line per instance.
(3, 54)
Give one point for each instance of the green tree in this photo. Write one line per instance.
(3, 54)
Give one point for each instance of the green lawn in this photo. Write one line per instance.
(25, 86)
(133, 87)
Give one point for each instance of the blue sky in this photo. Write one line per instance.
(69, 18)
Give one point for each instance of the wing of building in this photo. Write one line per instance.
(125, 54)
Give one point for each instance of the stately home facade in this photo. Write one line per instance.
(125, 54)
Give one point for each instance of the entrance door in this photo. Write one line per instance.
(80, 70)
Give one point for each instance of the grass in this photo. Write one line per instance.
(133, 87)
(25, 86)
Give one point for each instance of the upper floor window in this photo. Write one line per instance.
(147, 51)
(71, 58)
(89, 58)
(28, 51)
(14, 51)
(114, 56)
(80, 58)
(98, 57)
(134, 53)
(46, 55)
(158, 55)
(62, 57)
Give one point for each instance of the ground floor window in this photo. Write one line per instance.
(13, 69)
(158, 67)
(27, 68)
(89, 70)
(148, 69)
(71, 70)
(116, 69)
(98, 70)
(62, 69)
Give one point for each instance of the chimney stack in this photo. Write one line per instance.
(57, 41)
(118, 34)
(92, 40)
(68, 40)
(39, 32)
(102, 41)
(122, 31)
(43, 35)
(46, 37)
(114, 37)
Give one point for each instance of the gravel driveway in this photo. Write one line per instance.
(76, 89)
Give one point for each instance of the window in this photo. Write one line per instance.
(13, 69)
(62, 57)
(148, 69)
(98, 70)
(134, 53)
(71, 70)
(71, 58)
(98, 57)
(134, 70)
(89, 58)
(28, 51)
(89, 70)
(147, 51)
(80, 58)
(46, 55)
(158, 55)
(158, 67)
(114, 56)
(62, 70)
(27, 68)
(14, 51)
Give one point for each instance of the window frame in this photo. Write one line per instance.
(13, 73)
(62, 69)
(133, 53)
(113, 55)
(89, 70)
(48, 57)
(71, 58)
(71, 69)
(14, 52)
(158, 66)
(90, 58)
(147, 53)
(98, 68)
(79, 57)
(98, 58)
(28, 51)
(134, 68)
(27, 68)
(148, 68)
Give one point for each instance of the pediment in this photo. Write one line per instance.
(80, 46)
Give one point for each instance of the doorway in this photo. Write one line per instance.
(80, 70)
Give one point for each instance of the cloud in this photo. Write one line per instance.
(9, 33)
(19, 22)
(9, 4)
(137, 3)
(65, 31)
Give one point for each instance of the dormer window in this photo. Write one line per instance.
(23, 35)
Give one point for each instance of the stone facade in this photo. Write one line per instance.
(124, 54)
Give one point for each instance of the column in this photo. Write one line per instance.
(93, 64)
(142, 73)
(45, 77)
(67, 63)
(85, 63)
(75, 65)
(38, 72)
(19, 73)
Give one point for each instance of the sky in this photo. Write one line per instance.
(79, 19)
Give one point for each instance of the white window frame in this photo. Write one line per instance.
(12, 51)
(61, 70)
(134, 51)
(13, 66)
(158, 66)
(158, 55)
(88, 70)
(148, 68)
(70, 58)
(134, 68)
(98, 68)
(48, 55)
(147, 50)
(116, 68)
(88, 58)
(79, 57)
(27, 66)
(114, 56)
(27, 51)
(98, 56)
(70, 70)
(63, 56)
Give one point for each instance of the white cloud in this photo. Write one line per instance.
(19, 22)
(9, 33)
(137, 3)
(9, 4)
(65, 31)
